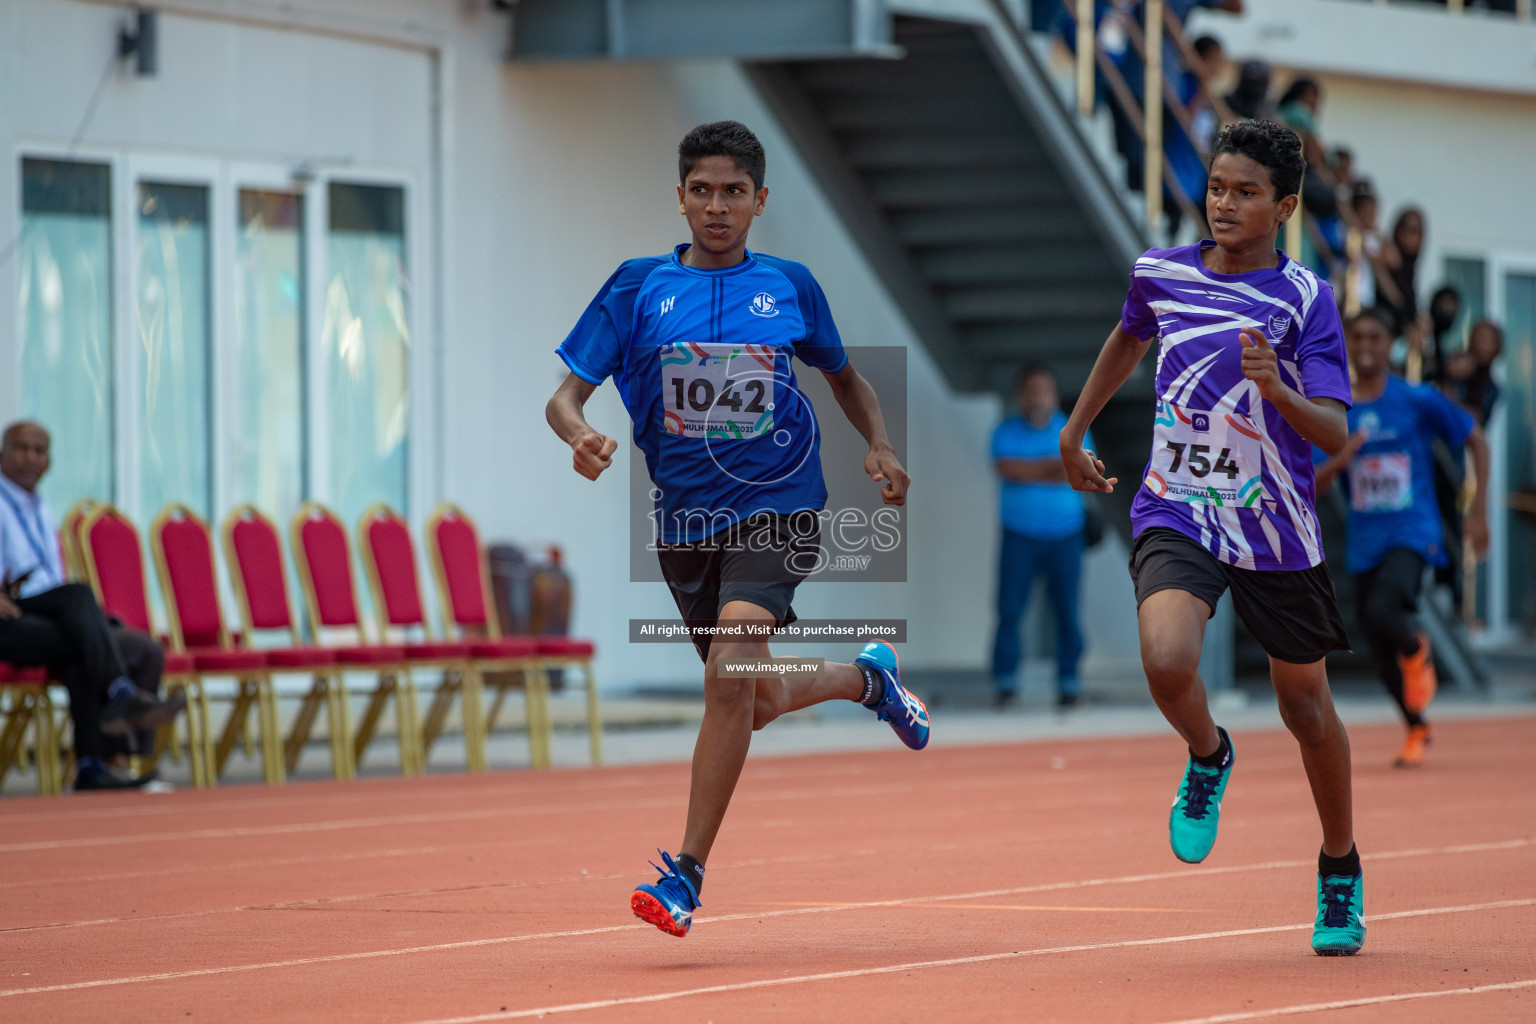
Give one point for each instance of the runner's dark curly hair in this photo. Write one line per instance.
(1269, 144)
(722, 138)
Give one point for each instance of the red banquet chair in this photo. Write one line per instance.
(69, 538)
(114, 565)
(324, 558)
(255, 558)
(183, 546)
(463, 583)
(389, 557)
(25, 704)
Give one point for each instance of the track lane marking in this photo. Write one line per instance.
(1028, 906)
(874, 904)
(660, 997)
(1345, 1004)
(1191, 872)
(601, 807)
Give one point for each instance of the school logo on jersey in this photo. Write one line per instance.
(764, 305)
(1278, 325)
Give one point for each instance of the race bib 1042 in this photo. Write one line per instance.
(1206, 458)
(1382, 482)
(718, 391)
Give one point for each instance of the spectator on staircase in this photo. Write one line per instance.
(1249, 99)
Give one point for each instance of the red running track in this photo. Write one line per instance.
(1021, 882)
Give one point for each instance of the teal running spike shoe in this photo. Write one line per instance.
(1197, 809)
(907, 715)
(1340, 926)
(670, 903)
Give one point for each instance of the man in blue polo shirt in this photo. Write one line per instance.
(1394, 527)
(699, 343)
(1043, 534)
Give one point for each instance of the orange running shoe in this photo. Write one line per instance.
(1412, 754)
(1419, 682)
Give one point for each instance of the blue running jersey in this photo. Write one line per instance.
(701, 359)
(1227, 470)
(1391, 481)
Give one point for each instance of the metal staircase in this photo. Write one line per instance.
(975, 197)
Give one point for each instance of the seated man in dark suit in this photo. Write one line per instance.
(45, 620)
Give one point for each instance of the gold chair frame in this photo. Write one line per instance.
(200, 755)
(394, 678)
(24, 705)
(538, 674)
(460, 676)
(328, 688)
(254, 687)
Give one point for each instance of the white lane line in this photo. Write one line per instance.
(759, 916)
(308, 795)
(322, 901)
(332, 826)
(1510, 844)
(747, 796)
(1160, 876)
(660, 997)
(1344, 1004)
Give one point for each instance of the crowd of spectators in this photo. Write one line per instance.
(1343, 240)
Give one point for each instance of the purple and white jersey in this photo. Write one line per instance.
(1227, 470)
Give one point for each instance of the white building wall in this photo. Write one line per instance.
(549, 177)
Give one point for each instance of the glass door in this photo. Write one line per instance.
(266, 387)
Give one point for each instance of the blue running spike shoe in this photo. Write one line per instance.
(1197, 809)
(669, 904)
(1340, 926)
(907, 715)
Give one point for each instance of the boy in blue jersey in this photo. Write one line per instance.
(1250, 375)
(1395, 531)
(699, 343)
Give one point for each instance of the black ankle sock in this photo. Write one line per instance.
(1221, 757)
(874, 686)
(693, 871)
(1349, 864)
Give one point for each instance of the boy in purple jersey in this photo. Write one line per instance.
(1251, 373)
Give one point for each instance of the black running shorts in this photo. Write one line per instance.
(1294, 615)
(761, 560)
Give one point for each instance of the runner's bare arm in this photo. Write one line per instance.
(1476, 525)
(862, 407)
(1119, 356)
(1327, 471)
(1321, 421)
(592, 452)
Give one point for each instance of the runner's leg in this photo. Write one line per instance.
(724, 735)
(1306, 706)
(1387, 597)
(1172, 625)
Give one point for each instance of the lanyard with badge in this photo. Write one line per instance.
(39, 546)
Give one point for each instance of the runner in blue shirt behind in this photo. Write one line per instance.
(1387, 469)
(699, 343)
